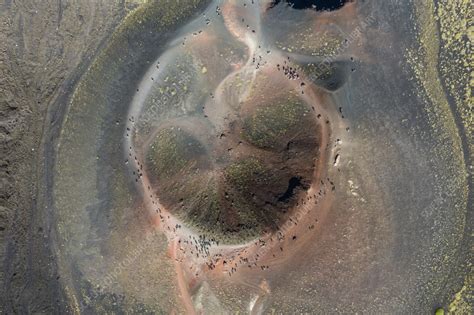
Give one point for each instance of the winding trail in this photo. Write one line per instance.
(271, 249)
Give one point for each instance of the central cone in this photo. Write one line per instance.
(244, 181)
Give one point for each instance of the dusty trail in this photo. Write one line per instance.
(239, 262)
(360, 248)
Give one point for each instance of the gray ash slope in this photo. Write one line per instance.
(44, 47)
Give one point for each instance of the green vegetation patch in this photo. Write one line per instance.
(271, 125)
(244, 175)
(171, 151)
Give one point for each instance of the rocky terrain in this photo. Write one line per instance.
(44, 45)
